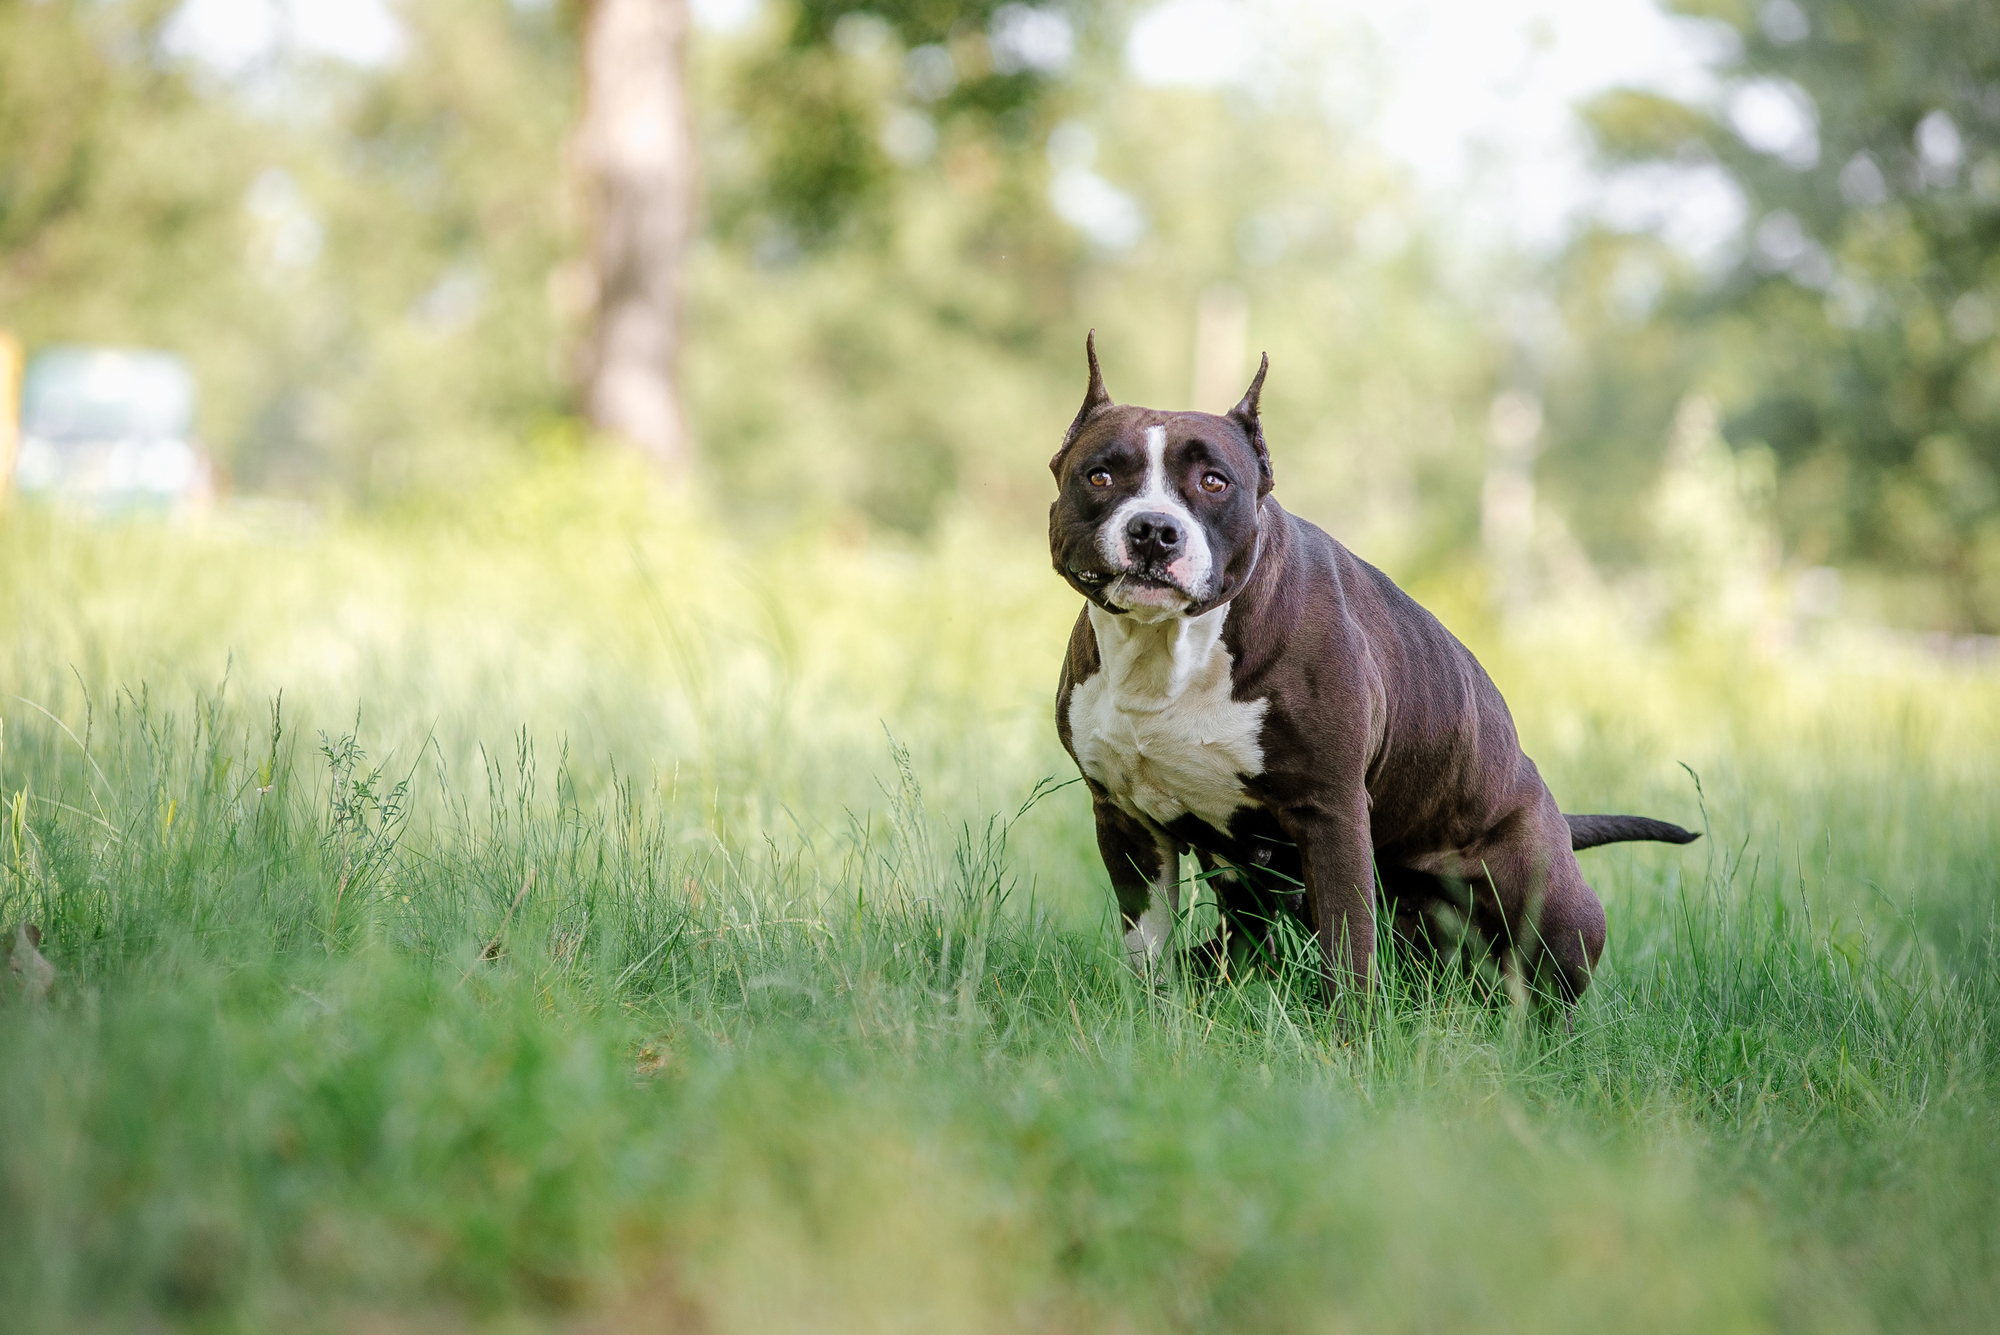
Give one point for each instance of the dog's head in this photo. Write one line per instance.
(1156, 513)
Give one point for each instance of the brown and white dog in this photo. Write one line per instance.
(1242, 684)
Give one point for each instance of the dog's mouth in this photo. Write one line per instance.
(1133, 589)
(1090, 578)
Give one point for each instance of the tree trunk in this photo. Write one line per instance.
(635, 153)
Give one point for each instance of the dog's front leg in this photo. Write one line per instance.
(1144, 865)
(1337, 857)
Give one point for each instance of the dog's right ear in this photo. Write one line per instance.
(1245, 414)
(1095, 400)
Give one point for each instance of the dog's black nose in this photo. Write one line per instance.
(1154, 535)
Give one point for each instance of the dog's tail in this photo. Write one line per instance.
(1590, 831)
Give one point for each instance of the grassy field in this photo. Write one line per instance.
(562, 916)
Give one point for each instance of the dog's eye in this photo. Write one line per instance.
(1100, 477)
(1214, 483)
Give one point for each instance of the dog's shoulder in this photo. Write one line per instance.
(1431, 684)
(1082, 659)
(1311, 598)
(1080, 663)
(1366, 596)
(1328, 564)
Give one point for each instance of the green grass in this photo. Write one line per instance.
(617, 928)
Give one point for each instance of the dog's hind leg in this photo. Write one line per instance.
(1547, 923)
(1210, 959)
(1429, 915)
(1250, 905)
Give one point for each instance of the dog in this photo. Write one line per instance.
(1241, 684)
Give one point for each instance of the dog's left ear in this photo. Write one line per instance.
(1095, 400)
(1244, 414)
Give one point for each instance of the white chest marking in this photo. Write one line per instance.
(1156, 725)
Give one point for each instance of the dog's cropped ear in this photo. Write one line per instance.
(1095, 400)
(1244, 414)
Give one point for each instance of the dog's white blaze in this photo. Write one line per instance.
(1155, 724)
(1192, 569)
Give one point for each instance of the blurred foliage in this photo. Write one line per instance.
(120, 191)
(1853, 331)
(816, 98)
(354, 262)
(890, 332)
(886, 307)
(370, 269)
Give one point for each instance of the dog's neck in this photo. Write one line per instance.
(1151, 662)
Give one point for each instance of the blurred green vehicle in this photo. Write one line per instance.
(111, 430)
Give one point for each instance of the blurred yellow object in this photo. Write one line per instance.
(10, 407)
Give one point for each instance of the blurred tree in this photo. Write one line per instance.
(1854, 332)
(826, 141)
(827, 138)
(634, 148)
(909, 217)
